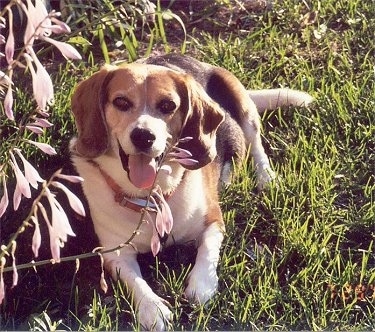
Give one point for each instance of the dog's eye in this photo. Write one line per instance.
(166, 106)
(122, 103)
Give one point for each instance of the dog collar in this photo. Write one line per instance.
(132, 203)
(136, 204)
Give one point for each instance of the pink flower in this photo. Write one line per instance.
(39, 25)
(43, 113)
(103, 282)
(68, 51)
(31, 174)
(60, 222)
(36, 16)
(42, 83)
(155, 242)
(70, 178)
(37, 238)
(182, 156)
(8, 103)
(46, 148)
(54, 241)
(35, 130)
(59, 27)
(14, 266)
(163, 220)
(159, 221)
(22, 185)
(4, 202)
(44, 123)
(180, 153)
(9, 46)
(4, 79)
(74, 201)
(2, 286)
(185, 139)
(15, 273)
(17, 195)
(166, 212)
(166, 168)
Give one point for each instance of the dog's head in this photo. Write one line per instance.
(140, 109)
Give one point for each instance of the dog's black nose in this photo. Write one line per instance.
(142, 138)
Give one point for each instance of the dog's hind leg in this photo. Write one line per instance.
(231, 148)
(252, 131)
(232, 96)
(262, 100)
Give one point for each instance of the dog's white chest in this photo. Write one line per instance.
(116, 224)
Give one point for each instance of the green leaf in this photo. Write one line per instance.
(79, 40)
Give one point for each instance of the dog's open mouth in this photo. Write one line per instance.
(141, 169)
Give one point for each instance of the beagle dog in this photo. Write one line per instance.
(155, 140)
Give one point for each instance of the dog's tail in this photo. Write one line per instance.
(274, 98)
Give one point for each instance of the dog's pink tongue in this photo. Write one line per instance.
(142, 170)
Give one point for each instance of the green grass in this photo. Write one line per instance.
(286, 248)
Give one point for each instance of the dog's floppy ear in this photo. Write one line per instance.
(87, 106)
(203, 117)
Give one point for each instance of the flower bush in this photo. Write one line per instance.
(40, 26)
(20, 179)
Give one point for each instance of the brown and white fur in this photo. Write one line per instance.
(127, 117)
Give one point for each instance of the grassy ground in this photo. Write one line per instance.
(299, 256)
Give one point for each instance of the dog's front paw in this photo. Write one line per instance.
(202, 285)
(153, 314)
(264, 176)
